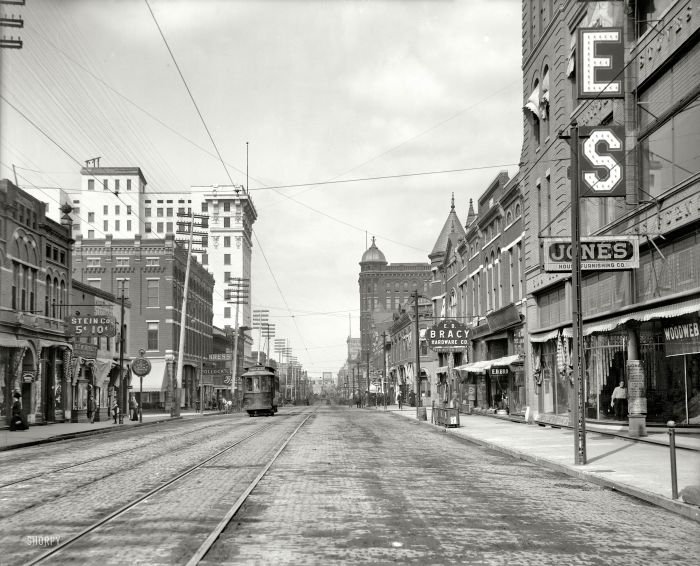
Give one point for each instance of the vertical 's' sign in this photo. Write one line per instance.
(601, 60)
(601, 161)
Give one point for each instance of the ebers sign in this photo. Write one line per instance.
(597, 253)
(447, 334)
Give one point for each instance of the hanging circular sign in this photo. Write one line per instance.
(141, 366)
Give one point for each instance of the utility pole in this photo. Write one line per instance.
(280, 345)
(417, 347)
(268, 332)
(384, 381)
(187, 227)
(238, 294)
(122, 373)
(578, 407)
(260, 318)
(11, 22)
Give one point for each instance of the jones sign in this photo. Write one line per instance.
(603, 253)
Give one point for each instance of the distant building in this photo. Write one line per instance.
(383, 289)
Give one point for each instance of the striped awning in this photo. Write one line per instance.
(155, 381)
(485, 365)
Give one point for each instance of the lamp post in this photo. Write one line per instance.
(417, 346)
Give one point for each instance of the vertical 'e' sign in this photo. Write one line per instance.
(601, 161)
(601, 60)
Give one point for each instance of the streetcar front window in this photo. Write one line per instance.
(248, 383)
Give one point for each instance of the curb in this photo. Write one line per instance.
(678, 507)
(82, 434)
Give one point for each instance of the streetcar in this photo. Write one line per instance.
(261, 390)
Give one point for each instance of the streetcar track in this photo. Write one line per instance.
(97, 459)
(209, 542)
(101, 478)
(126, 507)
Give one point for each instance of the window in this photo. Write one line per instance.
(128, 225)
(105, 185)
(116, 185)
(227, 241)
(670, 154)
(93, 262)
(122, 262)
(91, 217)
(116, 209)
(205, 207)
(227, 259)
(169, 211)
(227, 206)
(147, 212)
(648, 12)
(227, 276)
(152, 336)
(159, 227)
(159, 212)
(105, 226)
(116, 225)
(91, 184)
(128, 209)
(168, 226)
(91, 234)
(227, 312)
(128, 184)
(205, 259)
(227, 221)
(152, 262)
(147, 227)
(152, 299)
(105, 209)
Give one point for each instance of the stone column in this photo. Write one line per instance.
(636, 390)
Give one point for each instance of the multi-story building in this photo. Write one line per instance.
(35, 284)
(384, 288)
(96, 355)
(635, 323)
(478, 282)
(114, 200)
(151, 274)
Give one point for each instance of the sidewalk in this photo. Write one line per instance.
(637, 467)
(40, 434)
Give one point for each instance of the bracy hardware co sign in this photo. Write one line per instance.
(447, 334)
(603, 253)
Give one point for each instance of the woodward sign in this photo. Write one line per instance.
(682, 336)
(447, 334)
(602, 253)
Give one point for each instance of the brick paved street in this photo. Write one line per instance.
(353, 486)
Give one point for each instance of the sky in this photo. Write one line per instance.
(362, 118)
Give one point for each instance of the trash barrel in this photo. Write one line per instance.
(421, 414)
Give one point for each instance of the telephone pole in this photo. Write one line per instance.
(187, 227)
(260, 318)
(417, 347)
(238, 294)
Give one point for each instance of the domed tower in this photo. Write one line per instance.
(372, 269)
(373, 258)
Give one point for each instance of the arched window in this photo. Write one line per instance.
(47, 297)
(544, 102)
(56, 298)
(517, 210)
(509, 218)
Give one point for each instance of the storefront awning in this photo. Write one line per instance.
(7, 341)
(155, 381)
(485, 365)
(668, 311)
(442, 369)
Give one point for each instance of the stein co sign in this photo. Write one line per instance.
(447, 334)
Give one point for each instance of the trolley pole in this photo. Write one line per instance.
(417, 347)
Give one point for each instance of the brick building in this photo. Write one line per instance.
(151, 274)
(35, 283)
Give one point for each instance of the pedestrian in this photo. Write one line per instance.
(133, 409)
(399, 400)
(619, 401)
(91, 408)
(17, 420)
(115, 409)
